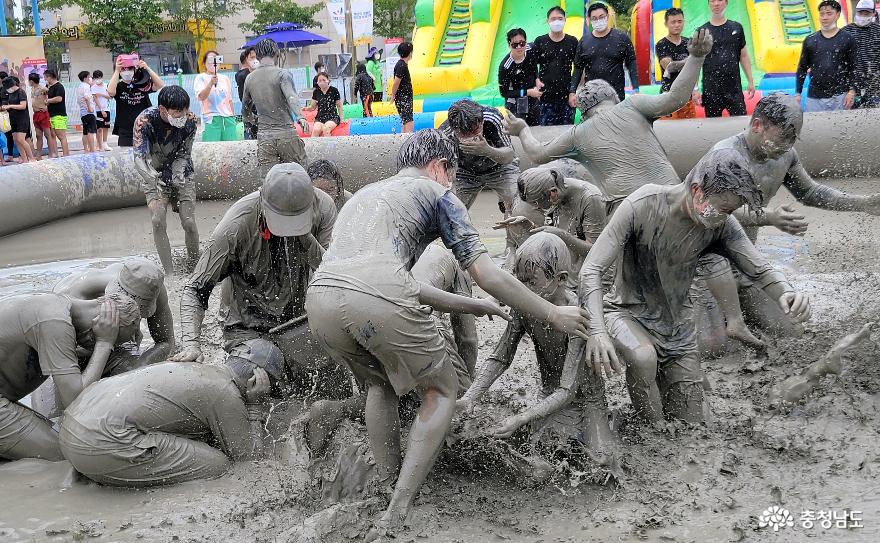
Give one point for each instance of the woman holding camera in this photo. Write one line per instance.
(214, 91)
(130, 85)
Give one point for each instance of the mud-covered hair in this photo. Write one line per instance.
(126, 307)
(266, 48)
(780, 110)
(465, 116)
(536, 182)
(725, 170)
(424, 146)
(173, 97)
(542, 251)
(324, 169)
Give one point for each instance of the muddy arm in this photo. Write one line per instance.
(542, 153)
(660, 105)
(464, 330)
(809, 192)
(497, 363)
(570, 381)
(161, 325)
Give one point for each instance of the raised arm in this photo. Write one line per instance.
(114, 79)
(540, 153)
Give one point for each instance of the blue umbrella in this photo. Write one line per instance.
(288, 35)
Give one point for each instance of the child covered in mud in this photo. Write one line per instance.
(325, 176)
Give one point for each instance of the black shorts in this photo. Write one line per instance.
(102, 119)
(89, 124)
(125, 141)
(323, 119)
(404, 107)
(715, 103)
(20, 123)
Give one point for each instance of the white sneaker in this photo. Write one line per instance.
(107, 148)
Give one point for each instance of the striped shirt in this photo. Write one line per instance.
(867, 72)
(496, 136)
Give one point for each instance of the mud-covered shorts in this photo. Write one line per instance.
(22, 430)
(502, 180)
(170, 192)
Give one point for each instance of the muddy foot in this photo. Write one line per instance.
(355, 471)
(740, 332)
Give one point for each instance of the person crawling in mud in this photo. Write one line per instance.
(367, 309)
(39, 337)
(267, 244)
(542, 263)
(656, 238)
(325, 176)
(153, 426)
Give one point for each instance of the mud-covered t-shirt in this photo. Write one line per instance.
(57, 108)
(37, 340)
(384, 229)
(158, 143)
(130, 102)
(270, 101)
(195, 401)
(721, 68)
(581, 213)
(494, 133)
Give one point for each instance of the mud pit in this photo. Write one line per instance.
(708, 484)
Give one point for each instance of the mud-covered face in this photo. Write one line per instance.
(463, 135)
(546, 200)
(773, 141)
(442, 171)
(712, 211)
(326, 185)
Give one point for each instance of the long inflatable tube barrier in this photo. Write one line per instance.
(831, 144)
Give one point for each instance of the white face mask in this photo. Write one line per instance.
(255, 64)
(600, 25)
(177, 122)
(127, 75)
(99, 82)
(557, 25)
(863, 20)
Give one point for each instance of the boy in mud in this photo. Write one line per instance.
(367, 310)
(325, 176)
(655, 239)
(163, 140)
(267, 244)
(39, 337)
(542, 263)
(152, 426)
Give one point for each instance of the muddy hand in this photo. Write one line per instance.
(701, 44)
(464, 407)
(508, 427)
(516, 220)
(789, 221)
(514, 125)
(476, 146)
(489, 308)
(189, 354)
(569, 319)
(796, 305)
(258, 386)
(105, 326)
(601, 353)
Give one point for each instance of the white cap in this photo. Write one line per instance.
(865, 5)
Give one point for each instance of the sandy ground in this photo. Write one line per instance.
(705, 484)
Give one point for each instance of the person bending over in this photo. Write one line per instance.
(325, 176)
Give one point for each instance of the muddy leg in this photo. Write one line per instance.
(725, 291)
(635, 346)
(25, 434)
(191, 233)
(711, 331)
(383, 427)
(158, 214)
(326, 415)
(764, 313)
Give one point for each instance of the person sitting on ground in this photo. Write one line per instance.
(163, 140)
(655, 239)
(153, 426)
(328, 102)
(486, 158)
(39, 337)
(366, 309)
(363, 87)
(325, 176)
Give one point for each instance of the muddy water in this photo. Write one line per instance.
(683, 485)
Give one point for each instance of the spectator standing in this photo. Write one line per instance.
(4, 100)
(402, 89)
(17, 107)
(249, 63)
(57, 111)
(86, 103)
(214, 91)
(671, 52)
(374, 68)
(830, 57)
(365, 88)
(602, 54)
(102, 109)
(39, 94)
(131, 86)
(327, 100)
(722, 86)
(866, 31)
(554, 53)
(518, 78)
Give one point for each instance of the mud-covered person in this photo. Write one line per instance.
(655, 239)
(267, 244)
(270, 103)
(163, 140)
(368, 311)
(173, 422)
(486, 158)
(325, 176)
(39, 337)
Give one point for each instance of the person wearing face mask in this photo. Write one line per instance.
(517, 79)
(17, 107)
(829, 55)
(249, 63)
(554, 53)
(866, 31)
(374, 68)
(328, 103)
(602, 54)
(87, 112)
(214, 92)
(656, 238)
(130, 86)
(163, 140)
(102, 109)
(368, 312)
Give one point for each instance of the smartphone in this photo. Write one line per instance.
(129, 61)
(218, 59)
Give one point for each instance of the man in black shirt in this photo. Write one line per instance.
(402, 89)
(602, 53)
(722, 86)
(249, 62)
(671, 53)
(554, 53)
(830, 57)
(57, 110)
(866, 30)
(132, 95)
(517, 78)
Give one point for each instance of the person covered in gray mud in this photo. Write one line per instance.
(39, 337)
(543, 264)
(656, 238)
(367, 309)
(156, 425)
(163, 140)
(270, 103)
(325, 176)
(616, 140)
(486, 158)
(267, 244)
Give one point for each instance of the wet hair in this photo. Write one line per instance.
(833, 4)
(9, 82)
(173, 97)
(555, 8)
(536, 182)
(726, 170)
(780, 110)
(361, 68)
(324, 75)
(244, 54)
(404, 49)
(542, 251)
(593, 93)
(465, 116)
(595, 6)
(266, 48)
(97, 74)
(324, 169)
(208, 52)
(514, 32)
(424, 146)
(672, 12)
(127, 308)
(35, 77)
(83, 75)
(50, 73)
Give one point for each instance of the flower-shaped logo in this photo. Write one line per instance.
(775, 517)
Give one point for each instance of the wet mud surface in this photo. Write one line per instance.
(679, 484)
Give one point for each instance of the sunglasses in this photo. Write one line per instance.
(517, 44)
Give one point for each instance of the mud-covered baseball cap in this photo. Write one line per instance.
(140, 279)
(287, 197)
(261, 353)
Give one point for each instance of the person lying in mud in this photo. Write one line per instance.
(367, 310)
(656, 238)
(153, 426)
(325, 176)
(542, 263)
(267, 244)
(796, 387)
(39, 337)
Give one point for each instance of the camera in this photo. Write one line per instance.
(218, 59)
